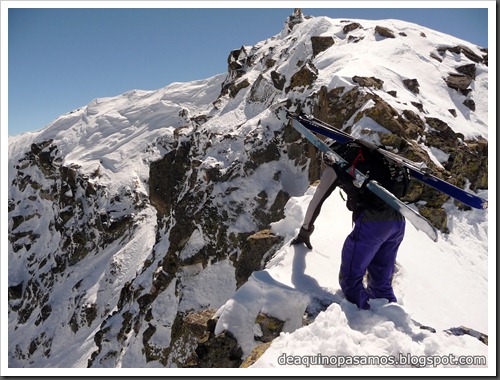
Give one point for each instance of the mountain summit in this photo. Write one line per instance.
(133, 217)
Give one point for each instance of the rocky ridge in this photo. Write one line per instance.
(114, 259)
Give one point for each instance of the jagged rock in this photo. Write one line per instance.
(268, 153)
(390, 140)
(278, 80)
(436, 57)
(270, 62)
(44, 153)
(458, 81)
(418, 106)
(384, 32)
(471, 164)
(412, 85)
(350, 27)
(296, 18)
(262, 90)
(485, 58)
(200, 324)
(165, 178)
(336, 107)
(443, 128)
(470, 54)
(385, 115)
(196, 345)
(304, 77)
(470, 104)
(437, 216)
(270, 328)
(255, 253)
(457, 331)
(462, 330)
(368, 82)
(217, 351)
(469, 70)
(221, 352)
(478, 146)
(256, 353)
(237, 87)
(459, 50)
(321, 43)
(15, 291)
(236, 63)
(354, 39)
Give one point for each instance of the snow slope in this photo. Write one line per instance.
(425, 283)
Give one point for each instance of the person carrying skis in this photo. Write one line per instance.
(371, 248)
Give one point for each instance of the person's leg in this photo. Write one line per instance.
(381, 268)
(359, 248)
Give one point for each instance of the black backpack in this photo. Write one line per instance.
(376, 167)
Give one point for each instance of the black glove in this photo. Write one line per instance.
(303, 237)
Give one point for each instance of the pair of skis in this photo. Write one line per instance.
(308, 124)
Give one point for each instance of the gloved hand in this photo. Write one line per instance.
(303, 237)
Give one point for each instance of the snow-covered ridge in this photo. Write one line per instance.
(440, 286)
(134, 211)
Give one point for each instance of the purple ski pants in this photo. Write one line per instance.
(371, 247)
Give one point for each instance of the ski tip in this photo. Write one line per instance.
(432, 233)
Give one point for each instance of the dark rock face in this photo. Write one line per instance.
(321, 43)
(304, 77)
(384, 32)
(203, 349)
(412, 85)
(254, 252)
(458, 81)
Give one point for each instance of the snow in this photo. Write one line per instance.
(436, 155)
(425, 283)
(239, 313)
(367, 129)
(206, 287)
(442, 284)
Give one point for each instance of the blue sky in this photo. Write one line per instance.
(60, 59)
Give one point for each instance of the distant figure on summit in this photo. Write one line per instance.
(371, 248)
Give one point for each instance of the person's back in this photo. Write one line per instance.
(376, 167)
(371, 247)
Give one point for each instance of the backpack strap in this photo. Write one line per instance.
(358, 158)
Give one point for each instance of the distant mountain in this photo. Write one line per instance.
(130, 215)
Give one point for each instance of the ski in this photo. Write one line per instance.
(418, 171)
(418, 221)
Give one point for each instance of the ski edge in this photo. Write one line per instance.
(417, 170)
